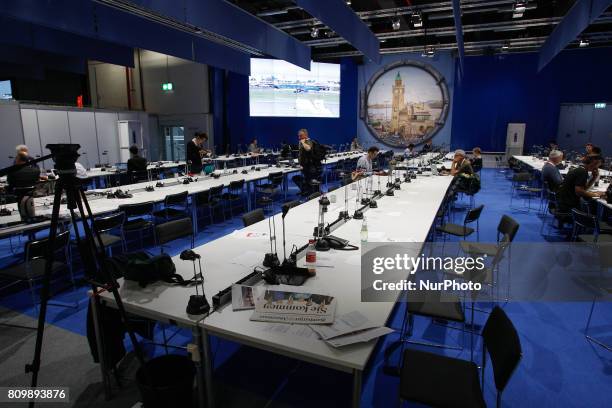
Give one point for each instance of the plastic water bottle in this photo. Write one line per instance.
(364, 230)
(311, 257)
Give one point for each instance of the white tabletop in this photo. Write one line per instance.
(407, 216)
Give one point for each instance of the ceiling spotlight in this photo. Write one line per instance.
(314, 32)
(584, 43)
(505, 46)
(519, 9)
(348, 2)
(417, 20)
(395, 23)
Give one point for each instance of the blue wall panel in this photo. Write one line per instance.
(496, 90)
(273, 130)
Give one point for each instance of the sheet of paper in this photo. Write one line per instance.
(248, 259)
(345, 324)
(250, 235)
(360, 337)
(297, 330)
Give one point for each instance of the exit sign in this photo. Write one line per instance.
(600, 105)
(167, 86)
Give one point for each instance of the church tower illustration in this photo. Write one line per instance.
(397, 103)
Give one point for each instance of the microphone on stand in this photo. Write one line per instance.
(321, 244)
(271, 258)
(285, 209)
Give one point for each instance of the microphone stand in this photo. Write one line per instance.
(321, 244)
(271, 258)
(358, 215)
(345, 214)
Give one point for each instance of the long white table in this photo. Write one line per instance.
(407, 216)
(101, 205)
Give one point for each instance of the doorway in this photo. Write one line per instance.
(174, 142)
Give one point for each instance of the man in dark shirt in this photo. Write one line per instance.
(23, 180)
(550, 171)
(577, 184)
(427, 147)
(136, 162)
(195, 152)
(311, 165)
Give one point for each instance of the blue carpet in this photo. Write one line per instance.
(559, 366)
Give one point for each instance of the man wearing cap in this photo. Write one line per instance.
(461, 165)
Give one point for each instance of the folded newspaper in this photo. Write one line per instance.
(294, 307)
(350, 328)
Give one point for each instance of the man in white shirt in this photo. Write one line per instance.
(410, 151)
(364, 164)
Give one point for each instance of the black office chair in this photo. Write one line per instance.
(110, 229)
(138, 176)
(32, 269)
(314, 195)
(175, 206)
(234, 194)
(464, 231)
(253, 216)
(442, 381)
(586, 228)
(268, 190)
(138, 218)
(208, 201)
(507, 227)
(173, 230)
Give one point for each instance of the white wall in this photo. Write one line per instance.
(187, 105)
(95, 130)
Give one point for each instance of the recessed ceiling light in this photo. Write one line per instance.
(584, 43)
(417, 20)
(314, 32)
(395, 23)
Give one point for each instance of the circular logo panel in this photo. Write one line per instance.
(406, 102)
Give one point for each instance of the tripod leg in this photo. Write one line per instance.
(34, 367)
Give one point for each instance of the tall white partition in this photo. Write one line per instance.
(11, 131)
(83, 132)
(108, 143)
(31, 137)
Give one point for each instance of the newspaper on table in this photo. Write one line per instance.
(294, 307)
(244, 297)
(350, 328)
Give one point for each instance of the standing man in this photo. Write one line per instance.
(195, 151)
(310, 160)
(550, 171)
(355, 146)
(577, 183)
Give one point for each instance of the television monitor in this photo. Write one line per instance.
(279, 88)
(6, 91)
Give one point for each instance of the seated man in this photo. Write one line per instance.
(364, 164)
(460, 165)
(254, 147)
(410, 151)
(22, 183)
(550, 172)
(136, 163)
(577, 183)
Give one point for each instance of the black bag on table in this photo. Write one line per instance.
(145, 269)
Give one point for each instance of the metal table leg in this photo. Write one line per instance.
(207, 369)
(100, 345)
(197, 360)
(357, 377)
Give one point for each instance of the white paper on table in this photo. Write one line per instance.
(348, 323)
(354, 260)
(248, 259)
(297, 330)
(250, 235)
(401, 239)
(360, 337)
